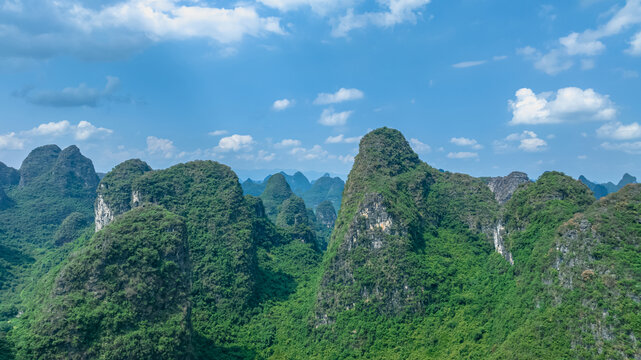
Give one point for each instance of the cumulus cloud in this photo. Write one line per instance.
(340, 96)
(588, 43)
(282, 104)
(11, 141)
(218, 132)
(316, 152)
(342, 139)
(82, 95)
(393, 12)
(618, 131)
(235, 143)
(288, 143)
(461, 141)
(159, 146)
(526, 141)
(568, 104)
(84, 130)
(124, 26)
(463, 155)
(419, 146)
(330, 118)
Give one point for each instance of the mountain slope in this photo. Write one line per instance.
(123, 295)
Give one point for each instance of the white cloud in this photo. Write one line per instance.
(635, 45)
(342, 139)
(341, 95)
(582, 157)
(235, 143)
(626, 147)
(117, 28)
(419, 146)
(163, 147)
(84, 130)
(260, 156)
(527, 141)
(315, 153)
(466, 142)
(51, 129)
(218, 132)
(463, 155)
(587, 43)
(331, 118)
(568, 104)
(288, 143)
(467, 64)
(170, 20)
(394, 12)
(618, 131)
(282, 104)
(11, 142)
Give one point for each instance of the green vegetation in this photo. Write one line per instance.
(115, 188)
(124, 295)
(195, 269)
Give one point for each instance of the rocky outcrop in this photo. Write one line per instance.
(504, 186)
(115, 193)
(499, 244)
(373, 245)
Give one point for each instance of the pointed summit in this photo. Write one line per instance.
(276, 192)
(385, 151)
(626, 179)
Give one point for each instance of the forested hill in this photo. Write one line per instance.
(417, 263)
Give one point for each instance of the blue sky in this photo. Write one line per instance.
(481, 87)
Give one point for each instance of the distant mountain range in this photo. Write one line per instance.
(601, 190)
(325, 188)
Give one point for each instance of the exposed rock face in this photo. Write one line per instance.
(373, 245)
(103, 214)
(326, 214)
(8, 175)
(115, 194)
(504, 186)
(499, 244)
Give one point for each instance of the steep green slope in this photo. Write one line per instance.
(276, 192)
(124, 295)
(53, 184)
